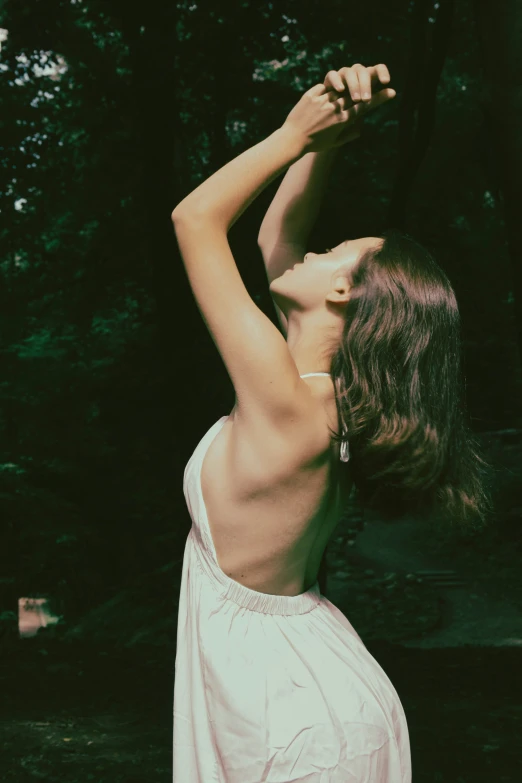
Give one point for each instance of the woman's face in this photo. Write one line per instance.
(320, 276)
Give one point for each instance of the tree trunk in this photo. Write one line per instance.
(418, 102)
(158, 146)
(500, 33)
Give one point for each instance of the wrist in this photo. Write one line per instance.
(327, 154)
(302, 144)
(293, 140)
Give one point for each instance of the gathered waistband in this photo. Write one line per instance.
(265, 603)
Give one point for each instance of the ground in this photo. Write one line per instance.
(91, 710)
(108, 718)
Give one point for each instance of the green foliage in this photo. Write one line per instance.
(110, 114)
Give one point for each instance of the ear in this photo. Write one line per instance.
(340, 292)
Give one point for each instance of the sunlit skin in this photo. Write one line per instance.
(313, 296)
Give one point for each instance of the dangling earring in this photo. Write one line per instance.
(345, 448)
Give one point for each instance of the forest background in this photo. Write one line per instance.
(110, 113)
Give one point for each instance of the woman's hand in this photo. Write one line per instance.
(331, 114)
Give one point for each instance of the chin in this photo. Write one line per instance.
(280, 286)
(281, 290)
(275, 284)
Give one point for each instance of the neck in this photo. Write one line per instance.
(311, 346)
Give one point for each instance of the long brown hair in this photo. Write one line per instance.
(400, 390)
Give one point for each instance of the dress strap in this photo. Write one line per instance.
(345, 449)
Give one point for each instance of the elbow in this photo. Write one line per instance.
(187, 208)
(262, 240)
(178, 214)
(189, 215)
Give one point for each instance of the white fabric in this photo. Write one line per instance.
(270, 688)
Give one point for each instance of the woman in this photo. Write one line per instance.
(272, 681)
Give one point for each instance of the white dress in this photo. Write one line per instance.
(270, 688)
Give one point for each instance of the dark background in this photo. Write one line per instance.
(110, 114)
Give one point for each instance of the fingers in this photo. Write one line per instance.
(351, 78)
(363, 87)
(334, 81)
(362, 107)
(361, 81)
(381, 97)
(358, 80)
(365, 81)
(316, 90)
(382, 73)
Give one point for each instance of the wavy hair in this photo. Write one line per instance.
(400, 390)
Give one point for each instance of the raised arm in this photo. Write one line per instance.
(292, 213)
(295, 206)
(294, 209)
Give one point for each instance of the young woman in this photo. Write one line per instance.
(360, 389)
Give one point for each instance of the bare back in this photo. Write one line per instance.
(272, 506)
